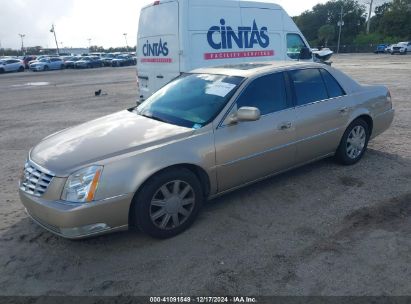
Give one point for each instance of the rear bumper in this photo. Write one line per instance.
(382, 122)
(76, 221)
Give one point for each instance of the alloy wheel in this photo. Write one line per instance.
(356, 142)
(172, 205)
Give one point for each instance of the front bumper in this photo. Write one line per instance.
(76, 221)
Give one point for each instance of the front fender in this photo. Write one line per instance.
(126, 173)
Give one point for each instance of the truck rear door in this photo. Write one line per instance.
(158, 59)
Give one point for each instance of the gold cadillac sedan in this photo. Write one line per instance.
(204, 134)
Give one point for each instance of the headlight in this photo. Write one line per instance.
(82, 185)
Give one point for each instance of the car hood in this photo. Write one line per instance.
(106, 137)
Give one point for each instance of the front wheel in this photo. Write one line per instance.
(168, 203)
(353, 143)
(46, 68)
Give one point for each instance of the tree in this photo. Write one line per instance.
(395, 19)
(354, 19)
(325, 33)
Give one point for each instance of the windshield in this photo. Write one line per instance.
(43, 60)
(191, 100)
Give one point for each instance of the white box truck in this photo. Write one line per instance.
(176, 36)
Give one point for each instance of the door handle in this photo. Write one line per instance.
(160, 76)
(285, 125)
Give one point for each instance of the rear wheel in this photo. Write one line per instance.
(354, 143)
(46, 68)
(62, 67)
(168, 203)
(21, 69)
(1, 71)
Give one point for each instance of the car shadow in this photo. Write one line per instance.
(303, 178)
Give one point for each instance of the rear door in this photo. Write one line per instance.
(158, 58)
(322, 112)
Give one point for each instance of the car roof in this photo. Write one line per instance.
(255, 68)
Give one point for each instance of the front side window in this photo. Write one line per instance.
(294, 45)
(267, 93)
(308, 86)
(191, 100)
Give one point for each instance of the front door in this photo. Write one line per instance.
(247, 151)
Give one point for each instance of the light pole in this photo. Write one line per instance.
(340, 25)
(53, 30)
(22, 42)
(125, 37)
(369, 17)
(89, 44)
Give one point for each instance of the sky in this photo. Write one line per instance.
(76, 21)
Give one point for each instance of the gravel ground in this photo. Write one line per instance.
(322, 229)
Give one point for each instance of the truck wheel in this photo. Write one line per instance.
(168, 203)
(353, 143)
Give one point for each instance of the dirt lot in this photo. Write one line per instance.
(322, 229)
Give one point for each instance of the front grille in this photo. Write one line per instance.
(396, 48)
(35, 180)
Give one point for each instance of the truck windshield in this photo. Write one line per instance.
(191, 100)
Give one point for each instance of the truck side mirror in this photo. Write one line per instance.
(305, 54)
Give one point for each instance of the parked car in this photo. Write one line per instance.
(38, 58)
(380, 48)
(401, 48)
(46, 64)
(123, 60)
(204, 134)
(89, 62)
(70, 63)
(107, 58)
(11, 65)
(388, 49)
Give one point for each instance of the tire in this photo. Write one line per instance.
(1, 71)
(164, 190)
(46, 68)
(349, 153)
(21, 69)
(62, 67)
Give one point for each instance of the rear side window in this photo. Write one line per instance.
(267, 93)
(308, 86)
(333, 87)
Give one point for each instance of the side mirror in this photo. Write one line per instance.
(305, 54)
(246, 114)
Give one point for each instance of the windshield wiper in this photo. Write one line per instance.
(154, 117)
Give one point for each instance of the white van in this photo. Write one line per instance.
(176, 36)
